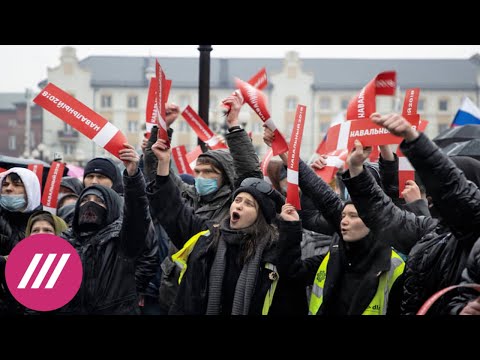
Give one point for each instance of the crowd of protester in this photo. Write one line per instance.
(226, 242)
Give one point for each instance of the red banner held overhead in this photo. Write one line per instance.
(405, 170)
(52, 187)
(180, 157)
(293, 196)
(160, 103)
(81, 118)
(193, 155)
(410, 105)
(363, 105)
(335, 160)
(166, 90)
(256, 99)
(259, 81)
(201, 129)
(342, 136)
(38, 170)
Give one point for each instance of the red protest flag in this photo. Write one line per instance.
(363, 104)
(256, 99)
(293, 195)
(82, 118)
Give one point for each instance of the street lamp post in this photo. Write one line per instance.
(41, 148)
(204, 86)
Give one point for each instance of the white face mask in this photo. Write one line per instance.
(13, 202)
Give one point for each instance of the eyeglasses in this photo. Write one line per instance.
(258, 184)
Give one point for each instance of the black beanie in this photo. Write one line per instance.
(265, 202)
(101, 166)
(92, 191)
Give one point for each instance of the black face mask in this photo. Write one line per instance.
(91, 216)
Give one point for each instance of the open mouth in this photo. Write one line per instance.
(235, 216)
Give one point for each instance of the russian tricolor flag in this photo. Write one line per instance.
(468, 113)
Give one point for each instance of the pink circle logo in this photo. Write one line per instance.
(43, 272)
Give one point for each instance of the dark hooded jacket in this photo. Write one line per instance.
(73, 184)
(437, 261)
(148, 262)
(108, 255)
(470, 275)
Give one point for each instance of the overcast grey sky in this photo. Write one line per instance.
(23, 66)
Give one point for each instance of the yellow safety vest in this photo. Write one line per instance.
(378, 305)
(181, 257)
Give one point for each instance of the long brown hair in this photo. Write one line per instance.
(274, 169)
(258, 232)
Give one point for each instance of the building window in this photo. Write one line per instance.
(184, 101)
(132, 126)
(12, 142)
(68, 130)
(291, 103)
(106, 101)
(68, 149)
(12, 123)
(344, 104)
(325, 103)
(132, 102)
(421, 105)
(442, 105)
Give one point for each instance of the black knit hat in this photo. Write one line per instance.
(263, 193)
(92, 191)
(101, 166)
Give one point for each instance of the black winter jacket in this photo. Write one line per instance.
(470, 275)
(181, 223)
(438, 259)
(108, 256)
(362, 263)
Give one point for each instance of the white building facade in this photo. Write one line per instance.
(117, 88)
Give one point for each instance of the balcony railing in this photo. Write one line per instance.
(67, 135)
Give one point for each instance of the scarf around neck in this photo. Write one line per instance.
(247, 279)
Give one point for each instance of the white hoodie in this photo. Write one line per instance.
(31, 184)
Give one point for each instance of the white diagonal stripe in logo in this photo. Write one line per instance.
(31, 268)
(57, 271)
(43, 271)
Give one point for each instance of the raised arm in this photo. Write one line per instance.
(456, 199)
(136, 216)
(166, 205)
(402, 228)
(245, 159)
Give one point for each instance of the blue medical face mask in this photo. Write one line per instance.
(205, 186)
(13, 202)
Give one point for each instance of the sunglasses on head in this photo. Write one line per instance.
(258, 184)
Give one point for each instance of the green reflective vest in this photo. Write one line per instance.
(180, 258)
(378, 305)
